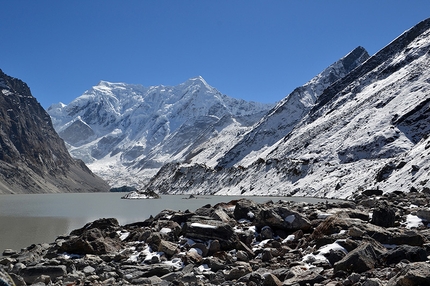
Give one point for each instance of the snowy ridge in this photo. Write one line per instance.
(126, 132)
(367, 130)
(289, 111)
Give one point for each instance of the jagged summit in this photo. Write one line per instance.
(132, 129)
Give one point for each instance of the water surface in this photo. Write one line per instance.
(39, 218)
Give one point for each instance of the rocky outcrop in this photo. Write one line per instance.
(241, 243)
(33, 158)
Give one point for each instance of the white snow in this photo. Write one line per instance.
(202, 225)
(165, 230)
(290, 237)
(319, 255)
(158, 124)
(413, 221)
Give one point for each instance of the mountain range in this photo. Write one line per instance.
(126, 133)
(362, 123)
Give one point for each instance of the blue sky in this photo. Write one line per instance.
(254, 50)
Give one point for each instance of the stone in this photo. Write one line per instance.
(242, 256)
(215, 263)
(271, 280)
(383, 215)
(30, 274)
(92, 241)
(359, 260)
(173, 276)
(89, 270)
(372, 192)
(239, 270)
(266, 233)
(245, 209)
(401, 252)
(266, 256)
(220, 214)
(169, 248)
(281, 218)
(299, 275)
(372, 282)
(409, 237)
(209, 229)
(417, 273)
(193, 256)
(9, 252)
(106, 224)
(154, 240)
(424, 214)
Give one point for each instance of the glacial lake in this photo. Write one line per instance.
(28, 219)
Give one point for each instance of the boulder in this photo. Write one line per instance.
(417, 273)
(91, 241)
(169, 248)
(271, 280)
(383, 215)
(281, 218)
(410, 253)
(30, 274)
(104, 224)
(207, 229)
(424, 214)
(299, 275)
(359, 260)
(246, 209)
(239, 270)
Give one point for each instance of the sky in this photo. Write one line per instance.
(252, 50)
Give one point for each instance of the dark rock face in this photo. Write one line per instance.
(384, 215)
(222, 245)
(33, 158)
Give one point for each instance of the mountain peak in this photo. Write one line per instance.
(198, 81)
(354, 58)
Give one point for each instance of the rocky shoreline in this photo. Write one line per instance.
(374, 239)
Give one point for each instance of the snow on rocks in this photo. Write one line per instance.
(282, 243)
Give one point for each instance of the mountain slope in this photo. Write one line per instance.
(289, 111)
(367, 130)
(33, 158)
(125, 133)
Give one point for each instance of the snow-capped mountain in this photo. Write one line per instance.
(125, 132)
(368, 129)
(288, 112)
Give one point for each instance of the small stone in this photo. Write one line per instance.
(89, 270)
(242, 256)
(266, 255)
(271, 280)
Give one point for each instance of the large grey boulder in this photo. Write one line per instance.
(359, 260)
(207, 229)
(282, 218)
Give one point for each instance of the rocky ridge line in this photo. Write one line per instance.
(33, 158)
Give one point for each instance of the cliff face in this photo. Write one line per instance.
(33, 158)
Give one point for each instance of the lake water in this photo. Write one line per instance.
(28, 219)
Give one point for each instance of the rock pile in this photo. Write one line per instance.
(370, 241)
